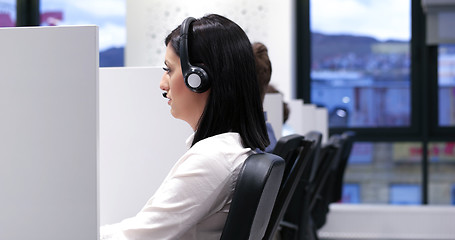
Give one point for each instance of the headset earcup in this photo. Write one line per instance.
(197, 79)
(194, 81)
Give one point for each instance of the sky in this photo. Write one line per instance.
(383, 19)
(109, 15)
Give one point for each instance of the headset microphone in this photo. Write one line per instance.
(165, 94)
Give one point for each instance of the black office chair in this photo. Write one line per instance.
(346, 140)
(295, 167)
(329, 186)
(325, 187)
(288, 147)
(254, 197)
(321, 186)
(304, 226)
(297, 213)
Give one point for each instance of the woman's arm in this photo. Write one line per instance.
(196, 187)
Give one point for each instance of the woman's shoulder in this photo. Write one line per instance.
(230, 141)
(225, 147)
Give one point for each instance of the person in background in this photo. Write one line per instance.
(210, 83)
(264, 73)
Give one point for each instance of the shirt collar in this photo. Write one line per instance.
(189, 140)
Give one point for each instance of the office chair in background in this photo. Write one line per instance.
(289, 147)
(298, 150)
(347, 141)
(330, 187)
(297, 213)
(320, 189)
(309, 208)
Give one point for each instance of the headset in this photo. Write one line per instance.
(196, 78)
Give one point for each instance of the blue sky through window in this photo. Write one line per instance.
(109, 15)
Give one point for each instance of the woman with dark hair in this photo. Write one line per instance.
(210, 82)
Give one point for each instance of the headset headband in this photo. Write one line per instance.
(184, 55)
(195, 77)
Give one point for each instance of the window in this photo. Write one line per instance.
(109, 15)
(378, 168)
(351, 193)
(360, 66)
(7, 13)
(441, 156)
(446, 84)
(397, 98)
(453, 194)
(361, 72)
(405, 194)
(374, 167)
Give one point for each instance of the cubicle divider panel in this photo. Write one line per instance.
(48, 133)
(304, 118)
(139, 139)
(273, 106)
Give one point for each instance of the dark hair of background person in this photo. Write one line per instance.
(263, 67)
(286, 111)
(234, 104)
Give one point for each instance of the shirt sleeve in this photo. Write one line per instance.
(195, 188)
(111, 232)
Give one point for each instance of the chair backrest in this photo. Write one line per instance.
(297, 213)
(329, 155)
(322, 184)
(288, 147)
(346, 140)
(317, 138)
(254, 196)
(329, 187)
(310, 206)
(289, 184)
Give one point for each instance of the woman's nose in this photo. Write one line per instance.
(164, 84)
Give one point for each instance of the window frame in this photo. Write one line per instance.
(424, 93)
(437, 132)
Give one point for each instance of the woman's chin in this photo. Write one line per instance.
(174, 114)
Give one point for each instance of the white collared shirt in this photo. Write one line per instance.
(194, 199)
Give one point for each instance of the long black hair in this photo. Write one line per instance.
(222, 48)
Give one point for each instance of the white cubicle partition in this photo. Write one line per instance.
(48, 133)
(296, 116)
(273, 106)
(322, 122)
(139, 140)
(308, 117)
